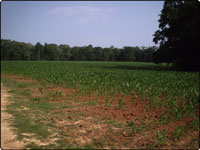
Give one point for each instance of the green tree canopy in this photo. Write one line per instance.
(65, 52)
(13, 50)
(51, 52)
(38, 52)
(178, 35)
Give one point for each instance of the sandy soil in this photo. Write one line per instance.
(8, 137)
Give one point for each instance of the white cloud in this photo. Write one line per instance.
(85, 13)
(84, 20)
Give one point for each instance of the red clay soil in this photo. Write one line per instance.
(130, 111)
(18, 78)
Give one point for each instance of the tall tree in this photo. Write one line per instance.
(51, 52)
(178, 35)
(38, 51)
(128, 53)
(6, 49)
(65, 52)
(90, 53)
(98, 51)
(75, 53)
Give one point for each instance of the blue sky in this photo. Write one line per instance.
(76, 23)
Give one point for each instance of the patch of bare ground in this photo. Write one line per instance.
(184, 142)
(18, 78)
(8, 137)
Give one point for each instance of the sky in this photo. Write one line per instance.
(76, 23)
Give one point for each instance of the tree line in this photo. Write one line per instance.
(14, 50)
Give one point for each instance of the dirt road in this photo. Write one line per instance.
(8, 138)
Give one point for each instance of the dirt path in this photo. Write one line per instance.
(8, 138)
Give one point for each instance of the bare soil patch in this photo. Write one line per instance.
(22, 79)
(8, 137)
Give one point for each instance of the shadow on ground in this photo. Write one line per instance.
(143, 67)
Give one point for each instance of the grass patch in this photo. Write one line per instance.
(26, 92)
(36, 99)
(26, 125)
(7, 82)
(41, 105)
(22, 85)
(12, 91)
(24, 119)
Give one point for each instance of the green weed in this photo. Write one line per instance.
(57, 94)
(41, 90)
(106, 100)
(120, 102)
(131, 125)
(161, 138)
(179, 131)
(36, 99)
(26, 92)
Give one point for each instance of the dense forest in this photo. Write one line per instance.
(14, 50)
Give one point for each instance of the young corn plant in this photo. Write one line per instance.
(107, 100)
(132, 126)
(41, 90)
(132, 96)
(120, 102)
(58, 93)
(161, 138)
(152, 123)
(180, 130)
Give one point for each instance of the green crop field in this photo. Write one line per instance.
(157, 86)
(146, 79)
